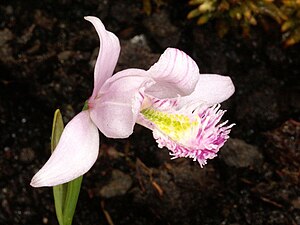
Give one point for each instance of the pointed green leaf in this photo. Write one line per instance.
(59, 191)
(65, 195)
(73, 190)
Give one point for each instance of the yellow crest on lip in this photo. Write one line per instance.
(176, 126)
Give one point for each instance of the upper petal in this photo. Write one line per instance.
(74, 155)
(211, 89)
(119, 102)
(108, 54)
(175, 74)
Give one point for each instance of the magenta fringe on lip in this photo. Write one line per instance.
(205, 145)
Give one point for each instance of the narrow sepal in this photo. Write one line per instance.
(108, 54)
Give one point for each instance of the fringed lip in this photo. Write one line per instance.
(202, 139)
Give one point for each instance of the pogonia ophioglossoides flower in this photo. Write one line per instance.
(172, 99)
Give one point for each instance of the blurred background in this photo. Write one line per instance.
(47, 54)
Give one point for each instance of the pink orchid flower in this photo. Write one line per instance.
(172, 99)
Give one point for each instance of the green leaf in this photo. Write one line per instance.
(57, 129)
(73, 190)
(59, 191)
(65, 195)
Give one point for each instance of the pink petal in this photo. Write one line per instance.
(211, 89)
(74, 155)
(176, 74)
(116, 110)
(108, 54)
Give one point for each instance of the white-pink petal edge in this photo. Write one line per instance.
(74, 155)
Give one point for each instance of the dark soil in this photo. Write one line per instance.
(47, 52)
